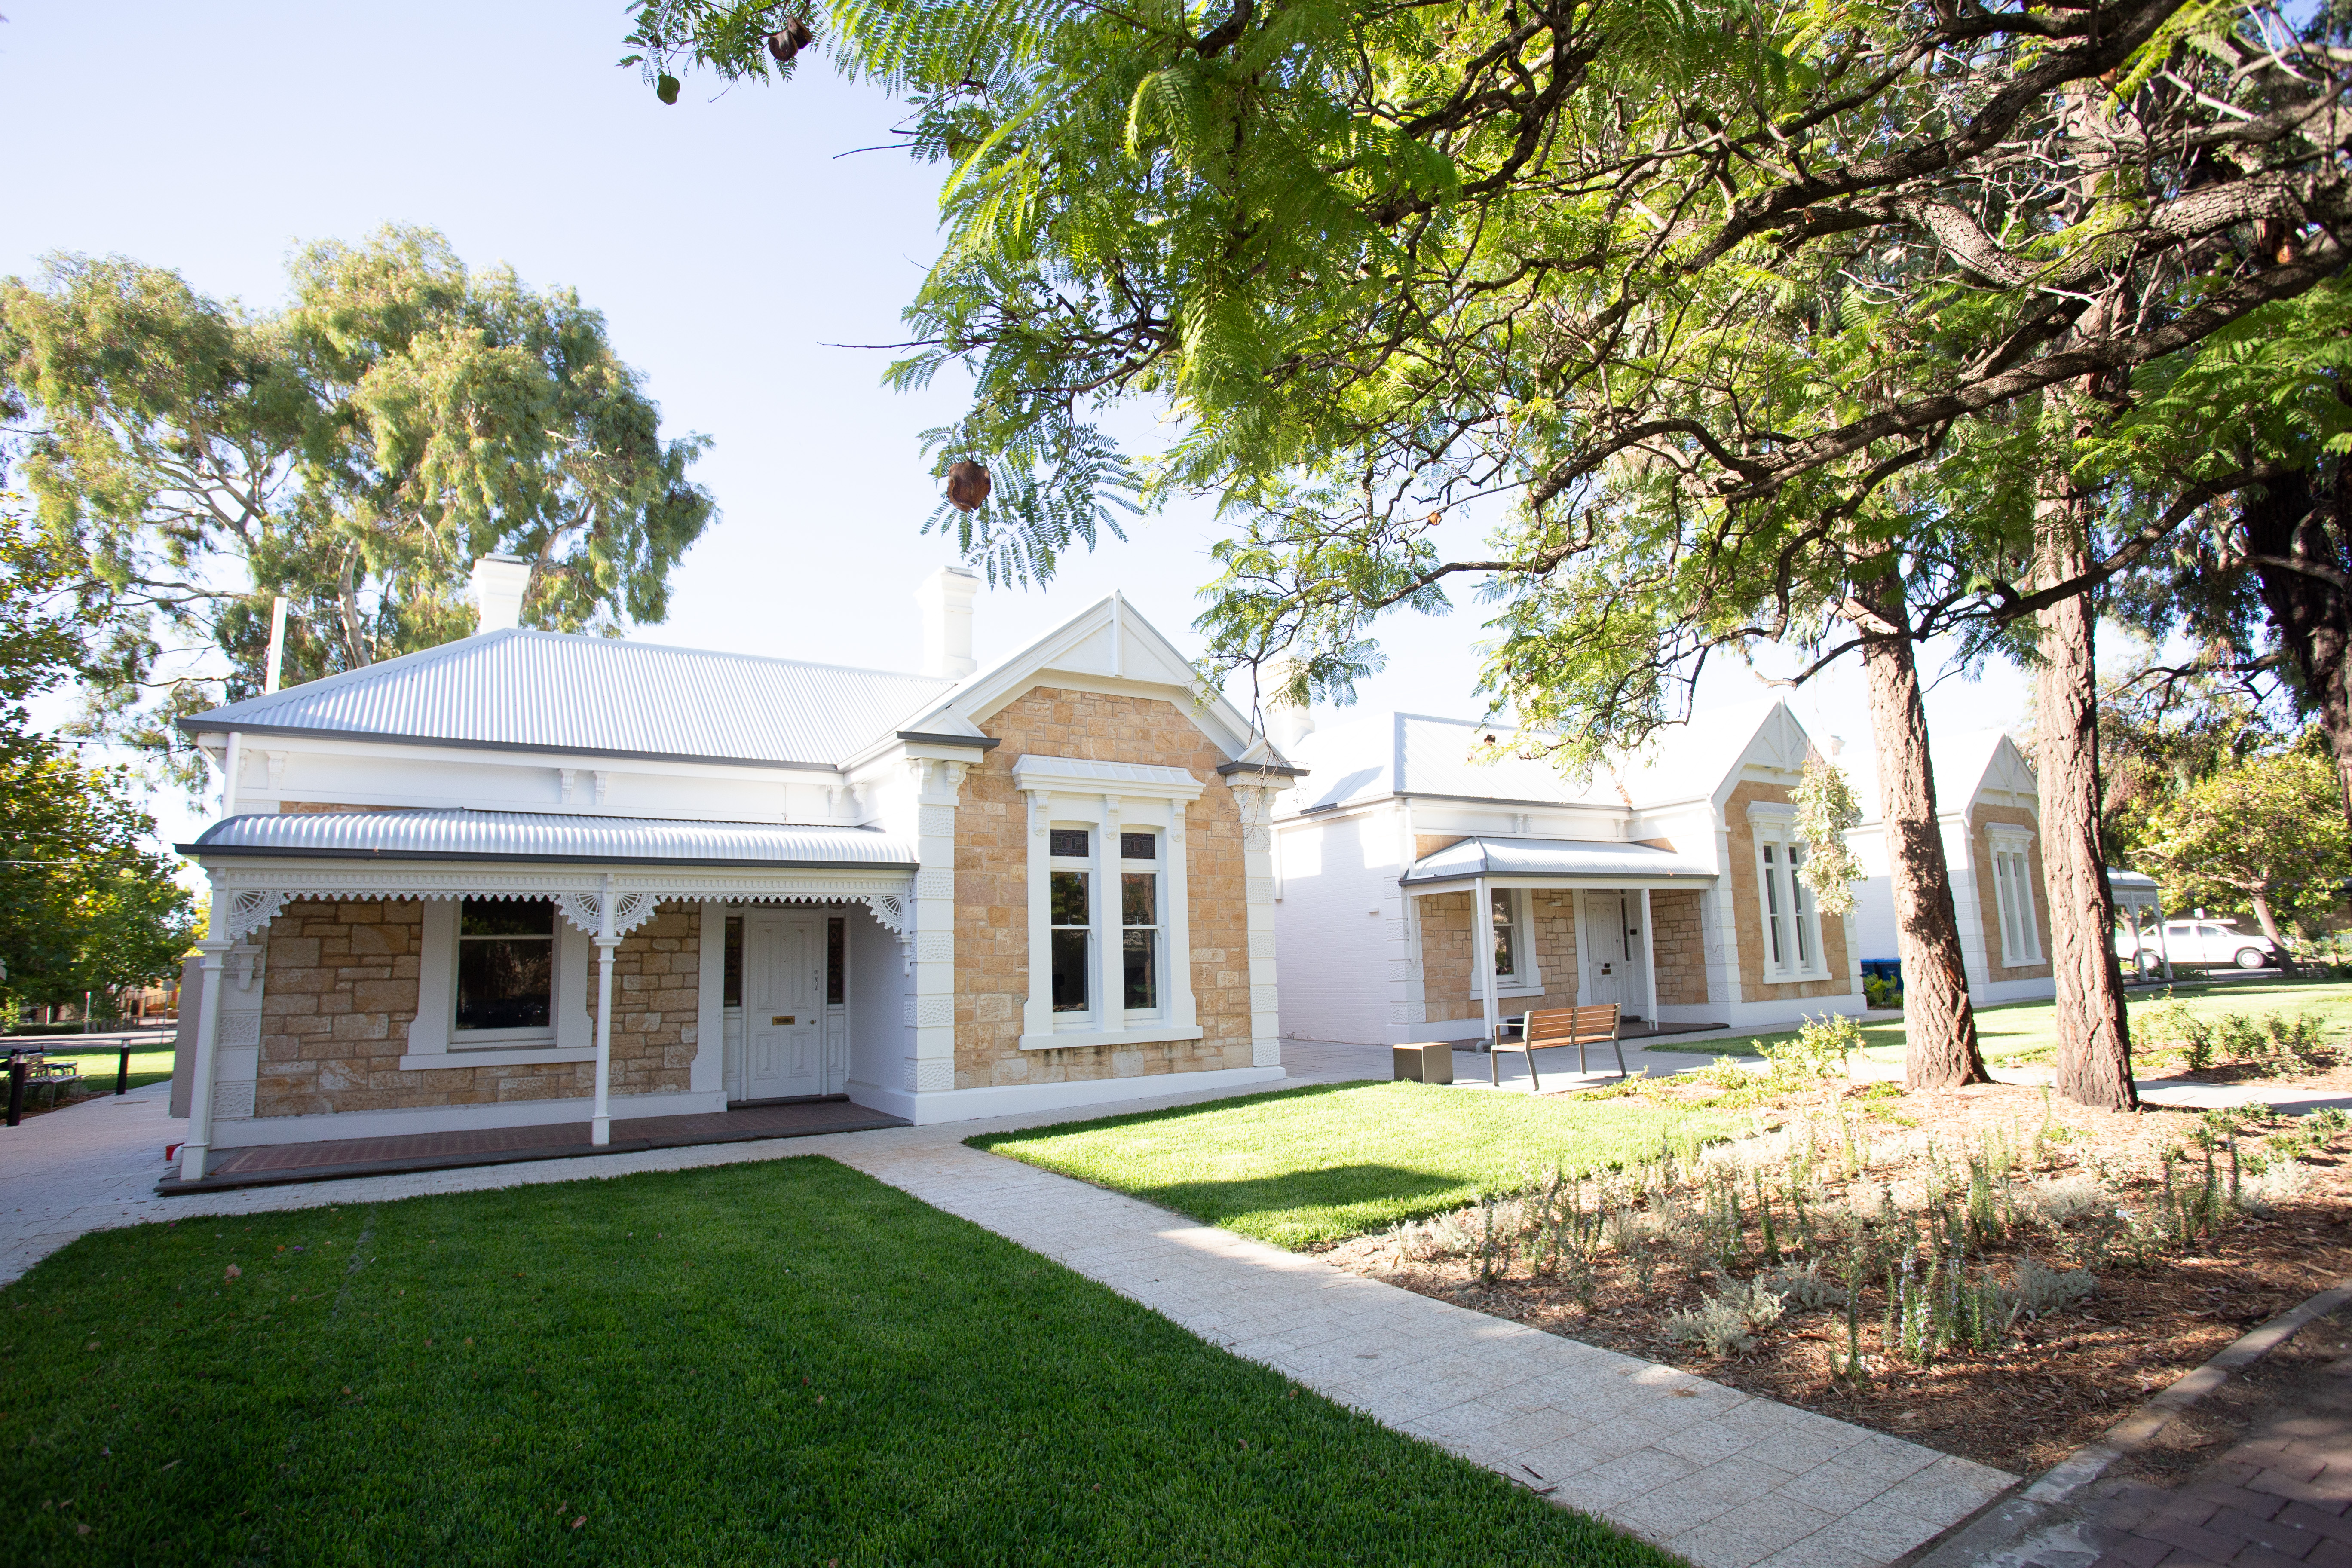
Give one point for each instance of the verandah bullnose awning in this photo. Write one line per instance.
(1553, 863)
(461, 835)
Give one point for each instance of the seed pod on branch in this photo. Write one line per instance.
(789, 40)
(968, 485)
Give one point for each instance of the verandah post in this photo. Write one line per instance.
(215, 947)
(600, 1126)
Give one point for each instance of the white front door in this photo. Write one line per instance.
(1609, 951)
(783, 1006)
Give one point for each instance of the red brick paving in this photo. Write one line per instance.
(2281, 1499)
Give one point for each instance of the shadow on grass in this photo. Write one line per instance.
(1332, 1188)
(988, 1141)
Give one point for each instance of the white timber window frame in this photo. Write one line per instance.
(436, 1041)
(1111, 802)
(1792, 949)
(2012, 885)
(1511, 911)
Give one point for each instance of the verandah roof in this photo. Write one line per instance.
(1555, 862)
(493, 836)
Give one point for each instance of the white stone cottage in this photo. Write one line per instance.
(526, 880)
(1668, 888)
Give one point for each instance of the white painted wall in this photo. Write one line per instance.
(881, 1037)
(1338, 925)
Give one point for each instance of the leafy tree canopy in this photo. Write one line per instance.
(2266, 831)
(85, 905)
(1725, 306)
(355, 451)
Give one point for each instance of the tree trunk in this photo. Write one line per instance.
(2093, 1032)
(2302, 563)
(2270, 922)
(1939, 1027)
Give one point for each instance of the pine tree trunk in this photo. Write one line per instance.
(1939, 1027)
(2093, 1032)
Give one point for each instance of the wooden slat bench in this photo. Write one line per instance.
(1579, 1027)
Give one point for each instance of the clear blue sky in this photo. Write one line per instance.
(728, 240)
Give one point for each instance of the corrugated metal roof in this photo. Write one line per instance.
(1414, 753)
(1593, 860)
(544, 691)
(539, 836)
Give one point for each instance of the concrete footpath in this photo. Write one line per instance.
(1725, 1478)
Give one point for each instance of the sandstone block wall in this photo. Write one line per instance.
(992, 928)
(340, 991)
(1451, 983)
(1678, 937)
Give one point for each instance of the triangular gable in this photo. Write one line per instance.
(1107, 645)
(1706, 757)
(2006, 769)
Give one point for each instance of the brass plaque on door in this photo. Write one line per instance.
(782, 1018)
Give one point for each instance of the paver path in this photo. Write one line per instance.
(2281, 1494)
(1725, 1478)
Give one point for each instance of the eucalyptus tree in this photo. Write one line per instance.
(354, 451)
(1711, 298)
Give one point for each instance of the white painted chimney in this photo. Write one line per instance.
(499, 584)
(1287, 723)
(946, 598)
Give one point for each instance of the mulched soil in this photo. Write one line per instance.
(2056, 1384)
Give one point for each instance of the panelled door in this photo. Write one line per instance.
(783, 1006)
(1610, 949)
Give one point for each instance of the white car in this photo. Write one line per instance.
(2201, 944)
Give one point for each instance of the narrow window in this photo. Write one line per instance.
(1772, 903)
(1071, 917)
(2005, 894)
(1800, 903)
(836, 961)
(1507, 934)
(731, 989)
(506, 963)
(1140, 906)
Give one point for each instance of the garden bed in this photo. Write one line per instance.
(1997, 1175)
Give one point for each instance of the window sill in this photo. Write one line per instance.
(1504, 989)
(1808, 977)
(525, 1057)
(1141, 1035)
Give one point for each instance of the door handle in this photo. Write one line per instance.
(781, 1018)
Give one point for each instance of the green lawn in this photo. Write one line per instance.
(1307, 1165)
(2025, 1031)
(780, 1362)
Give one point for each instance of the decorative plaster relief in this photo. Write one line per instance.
(232, 1101)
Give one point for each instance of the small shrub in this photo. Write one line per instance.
(1802, 1290)
(2058, 1200)
(2040, 1291)
(1819, 1050)
(2238, 1037)
(2279, 1182)
(1723, 1320)
(1880, 993)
